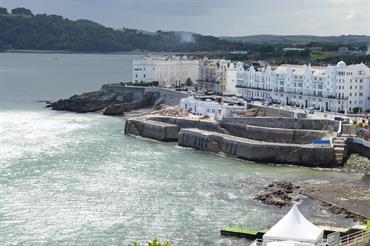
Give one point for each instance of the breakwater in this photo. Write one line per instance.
(129, 93)
(249, 142)
(305, 155)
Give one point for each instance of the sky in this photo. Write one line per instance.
(216, 17)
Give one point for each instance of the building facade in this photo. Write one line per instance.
(218, 76)
(167, 70)
(339, 88)
(211, 107)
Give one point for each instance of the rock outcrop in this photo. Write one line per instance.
(279, 193)
(119, 108)
(106, 101)
(86, 102)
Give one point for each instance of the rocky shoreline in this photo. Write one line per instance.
(107, 102)
(279, 193)
(350, 200)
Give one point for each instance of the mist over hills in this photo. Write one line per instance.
(22, 30)
(301, 39)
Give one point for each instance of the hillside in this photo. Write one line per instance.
(22, 30)
(25, 30)
(301, 39)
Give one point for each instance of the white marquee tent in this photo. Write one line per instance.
(293, 229)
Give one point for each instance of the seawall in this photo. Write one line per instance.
(358, 147)
(306, 155)
(141, 126)
(130, 93)
(275, 112)
(285, 123)
(277, 135)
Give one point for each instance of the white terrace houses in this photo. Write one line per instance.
(167, 70)
(339, 88)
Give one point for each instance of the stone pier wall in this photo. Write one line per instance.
(151, 129)
(130, 93)
(275, 112)
(305, 155)
(277, 135)
(285, 123)
(357, 148)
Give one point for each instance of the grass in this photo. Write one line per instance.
(323, 55)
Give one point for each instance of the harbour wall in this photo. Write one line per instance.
(210, 136)
(276, 112)
(305, 155)
(358, 147)
(277, 135)
(130, 93)
(151, 129)
(285, 123)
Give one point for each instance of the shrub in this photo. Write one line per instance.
(354, 122)
(357, 110)
(189, 82)
(360, 125)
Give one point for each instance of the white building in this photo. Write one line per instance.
(339, 88)
(211, 107)
(167, 70)
(220, 74)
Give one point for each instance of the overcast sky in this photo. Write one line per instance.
(216, 17)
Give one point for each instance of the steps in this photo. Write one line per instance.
(339, 144)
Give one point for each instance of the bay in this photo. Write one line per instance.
(76, 179)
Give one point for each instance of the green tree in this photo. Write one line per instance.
(22, 11)
(3, 11)
(188, 82)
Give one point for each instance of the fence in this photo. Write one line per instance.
(360, 237)
(355, 238)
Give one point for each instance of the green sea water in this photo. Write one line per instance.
(76, 179)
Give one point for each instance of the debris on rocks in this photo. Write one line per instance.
(174, 111)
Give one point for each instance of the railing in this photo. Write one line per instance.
(355, 238)
(348, 240)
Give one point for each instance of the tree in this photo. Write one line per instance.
(22, 11)
(189, 82)
(3, 11)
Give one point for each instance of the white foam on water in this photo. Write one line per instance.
(28, 134)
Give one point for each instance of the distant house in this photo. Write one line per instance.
(292, 49)
(343, 50)
(316, 49)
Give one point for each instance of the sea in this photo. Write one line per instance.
(76, 179)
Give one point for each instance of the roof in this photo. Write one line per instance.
(300, 69)
(295, 227)
(341, 64)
